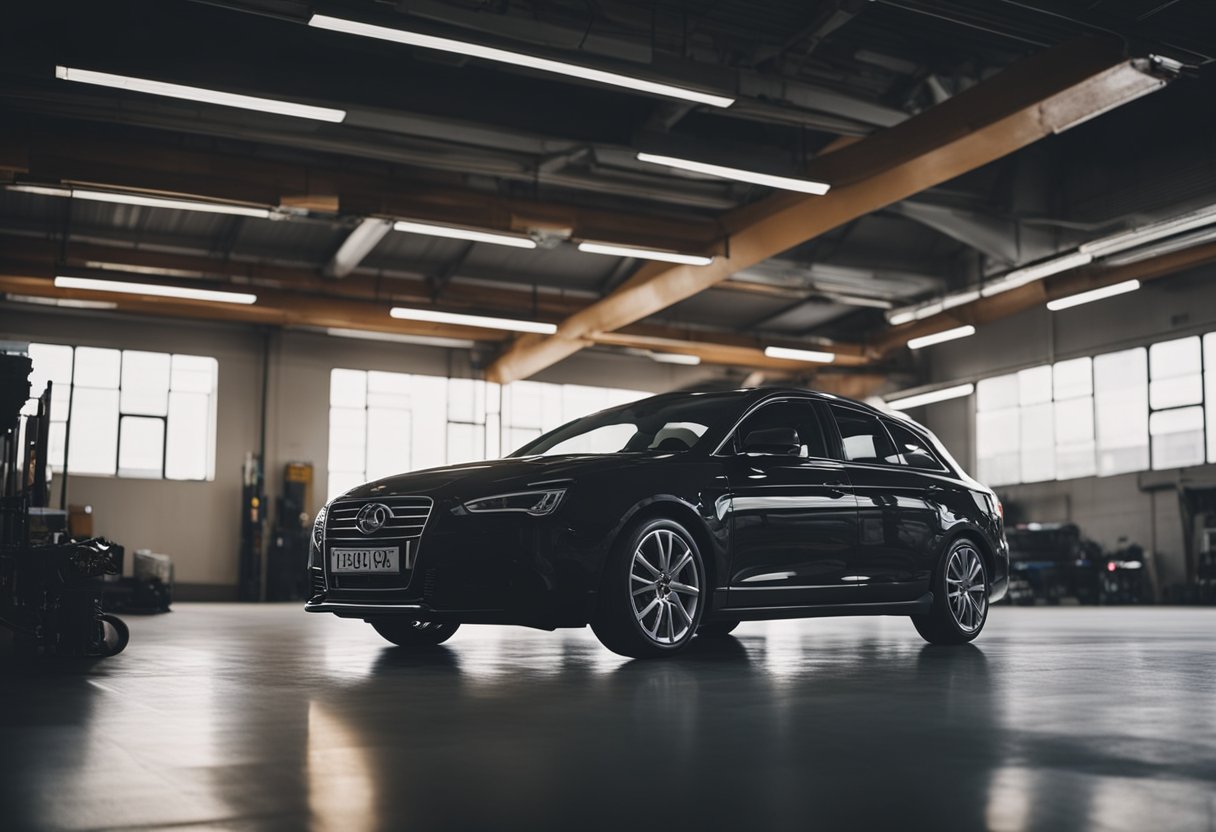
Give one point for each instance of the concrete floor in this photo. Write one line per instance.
(242, 717)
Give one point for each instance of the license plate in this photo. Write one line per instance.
(387, 559)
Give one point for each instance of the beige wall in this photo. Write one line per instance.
(199, 522)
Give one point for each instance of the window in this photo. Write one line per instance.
(133, 413)
(864, 437)
(1209, 387)
(1121, 408)
(913, 450)
(798, 416)
(998, 435)
(382, 423)
(1073, 386)
(1176, 398)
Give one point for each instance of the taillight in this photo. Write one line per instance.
(1000, 509)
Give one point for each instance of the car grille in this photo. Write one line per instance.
(404, 527)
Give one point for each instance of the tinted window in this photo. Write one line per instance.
(662, 424)
(914, 450)
(864, 437)
(796, 415)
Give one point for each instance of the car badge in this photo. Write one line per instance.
(372, 517)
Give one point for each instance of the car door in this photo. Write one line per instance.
(897, 507)
(794, 517)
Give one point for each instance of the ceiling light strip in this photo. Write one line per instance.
(504, 56)
(455, 233)
(789, 354)
(201, 94)
(1093, 295)
(941, 337)
(153, 290)
(788, 183)
(932, 397)
(646, 254)
(482, 321)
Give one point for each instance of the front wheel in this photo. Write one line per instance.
(960, 598)
(652, 595)
(406, 633)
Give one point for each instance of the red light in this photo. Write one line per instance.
(1111, 566)
(1000, 509)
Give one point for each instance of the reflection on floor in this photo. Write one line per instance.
(244, 717)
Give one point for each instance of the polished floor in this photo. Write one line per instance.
(263, 717)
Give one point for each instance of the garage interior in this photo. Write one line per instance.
(265, 250)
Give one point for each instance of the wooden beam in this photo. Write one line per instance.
(1044, 94)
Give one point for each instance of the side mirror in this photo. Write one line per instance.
(776, 441)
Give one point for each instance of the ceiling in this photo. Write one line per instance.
(445, 138)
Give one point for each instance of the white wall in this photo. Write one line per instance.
(198, 523)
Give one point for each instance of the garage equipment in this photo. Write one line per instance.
(287, 561)
(50, 595)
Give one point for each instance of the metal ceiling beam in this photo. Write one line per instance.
(144, 163)
(1042, 95)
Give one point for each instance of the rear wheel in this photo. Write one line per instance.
(651, 600)
(406, 633)
(717, 629)
(960, 598)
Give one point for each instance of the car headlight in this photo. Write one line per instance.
(535, 503)
(318, 526)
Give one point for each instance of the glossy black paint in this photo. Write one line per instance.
(780, 535)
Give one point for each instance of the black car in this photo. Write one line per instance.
(672, 517)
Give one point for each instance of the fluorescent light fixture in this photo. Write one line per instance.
(1029, 274)
(454, 233)
(41, 190)
(932, 397)
(675, 358)
(146, 201)
(153, 289)
(396, 338)
(901, 316)
(800, 355)
(67, 303)
(432, 316)
(788, 183)
(224, 99)
(1153, 231)
(1093, 295)
(1164, 247)
(358, 244)
(503, 56)
(941, 337)
(646, 254)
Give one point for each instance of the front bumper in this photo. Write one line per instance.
(509, 569)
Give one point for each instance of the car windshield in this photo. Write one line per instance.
(662, 424)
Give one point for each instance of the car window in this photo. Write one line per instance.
(798, 415)
(914, 450)
(662, 424)
(864, 437)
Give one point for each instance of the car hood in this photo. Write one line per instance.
(498, 475)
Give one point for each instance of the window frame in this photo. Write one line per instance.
(730, 446)
(884, 466)
(889, 423)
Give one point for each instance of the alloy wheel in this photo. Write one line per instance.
(665, 586)
(967, 588)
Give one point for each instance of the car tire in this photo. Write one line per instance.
(407, 633)
(653, 591)
(717, 629)
(960, 597)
